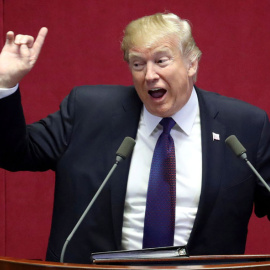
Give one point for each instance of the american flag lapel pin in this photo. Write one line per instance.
(216, 136)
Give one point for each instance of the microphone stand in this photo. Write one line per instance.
(87, 209)
(122, 153)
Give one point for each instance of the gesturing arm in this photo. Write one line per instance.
(32, 147)
(19, 56)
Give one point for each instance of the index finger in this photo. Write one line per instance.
(40, 39)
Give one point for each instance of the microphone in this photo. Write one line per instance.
(122, 153)
(240, 151)
(125, 149)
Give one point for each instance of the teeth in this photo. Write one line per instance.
(155, 89)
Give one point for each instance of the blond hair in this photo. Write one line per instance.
(149, 30)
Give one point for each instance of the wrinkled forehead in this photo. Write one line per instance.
(149, 37)
(144, 44)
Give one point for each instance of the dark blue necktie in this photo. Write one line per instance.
(159, 219)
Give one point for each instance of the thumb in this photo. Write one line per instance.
(9, 38)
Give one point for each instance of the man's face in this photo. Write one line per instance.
(163, 80)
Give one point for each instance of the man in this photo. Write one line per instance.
(215, 191)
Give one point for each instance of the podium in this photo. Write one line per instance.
(260, 262)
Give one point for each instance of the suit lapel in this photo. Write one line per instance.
(124, 123)
(212, 158)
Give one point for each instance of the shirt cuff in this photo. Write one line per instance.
(5, 92)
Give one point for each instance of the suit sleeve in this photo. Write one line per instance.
(38, 146)
(262, 195)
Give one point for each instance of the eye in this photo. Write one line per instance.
(137, 65)
(163, 61)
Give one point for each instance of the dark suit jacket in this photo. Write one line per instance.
(80, 140)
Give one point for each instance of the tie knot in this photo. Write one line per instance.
(167, 123)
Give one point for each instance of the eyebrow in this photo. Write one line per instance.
(135, 55)
(140, 55)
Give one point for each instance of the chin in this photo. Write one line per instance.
(161, 111)
(162, 114)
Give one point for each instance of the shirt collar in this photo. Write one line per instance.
(184, 118)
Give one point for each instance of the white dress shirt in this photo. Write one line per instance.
(4, 92)
(187, 139)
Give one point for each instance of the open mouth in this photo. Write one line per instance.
(157, 92)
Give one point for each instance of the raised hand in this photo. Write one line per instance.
(18, 56)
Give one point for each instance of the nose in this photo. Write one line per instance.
(151, 74)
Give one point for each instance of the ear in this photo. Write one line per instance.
(192, 69)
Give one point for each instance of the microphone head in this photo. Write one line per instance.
(126, 148)
(235, 145)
